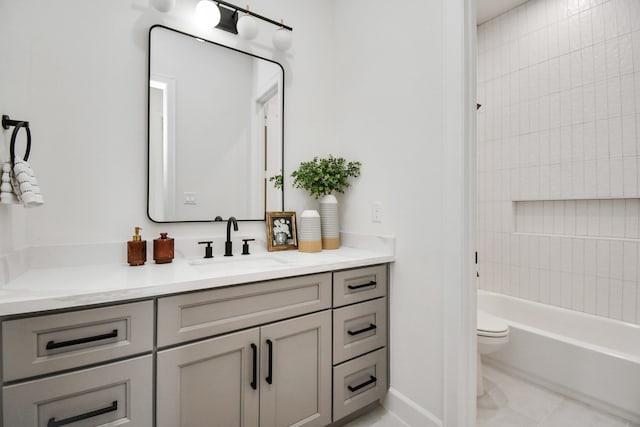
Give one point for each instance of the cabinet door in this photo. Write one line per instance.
(210, 383)
(295, 387)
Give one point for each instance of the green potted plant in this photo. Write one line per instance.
(322, 177)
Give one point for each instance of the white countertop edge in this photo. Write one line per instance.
(41, 290)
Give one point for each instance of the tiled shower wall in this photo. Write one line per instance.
(559, 155)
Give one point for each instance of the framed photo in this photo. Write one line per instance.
(281, 231)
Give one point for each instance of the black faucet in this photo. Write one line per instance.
(228, 245)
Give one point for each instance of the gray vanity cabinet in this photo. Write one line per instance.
(210, 382)
(297, 388)
(284, 325)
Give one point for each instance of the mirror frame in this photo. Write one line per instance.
(148, 124)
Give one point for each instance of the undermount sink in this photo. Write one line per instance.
(240, 261)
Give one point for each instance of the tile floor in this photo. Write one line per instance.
(510, 401)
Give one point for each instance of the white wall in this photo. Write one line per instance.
(559, 155)
(389, 106)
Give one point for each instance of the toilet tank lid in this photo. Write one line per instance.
(490, 323)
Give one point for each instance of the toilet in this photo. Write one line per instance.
(493, 334)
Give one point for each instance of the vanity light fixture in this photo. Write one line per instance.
(226, 18)
(207, 14)
(247, 26)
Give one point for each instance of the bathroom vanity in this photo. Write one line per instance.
(308, 345)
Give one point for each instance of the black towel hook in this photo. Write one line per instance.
(6, 123)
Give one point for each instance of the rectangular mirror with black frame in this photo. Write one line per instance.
(215, 129)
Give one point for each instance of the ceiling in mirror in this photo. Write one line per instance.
(215, 130)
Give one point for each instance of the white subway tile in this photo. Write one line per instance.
(589, 136)
(523, 282)
(623, 24)
(543, 257)
(590, 294)
(567, 180)
(573, 7)
(629, 298)
(577, 105)
(555, 146)
(616, 260)
(589, 102)
(615, 137)
(602, 296)
(533, 292)
(577, 252)
(603, 177)
(586, 32)
(564, 72)
(590, 178)
(577, 292)
(601, 106)
(634, 15)
(577, 142)
(563, 36)
(574, 33)
(629, 139)
(603, 258)
(590, 257)
(615, 299)
(612, 51)
(555, 254)
(566, 298)
(630, 165)
(613, 97)
(609, 16)
(625, 50)
(544, 289)
(578, 182)
(630, 261)
(555, 288)
(617, 178)
(635, 45)
(597, 24)
(555, 181)
(566, 254)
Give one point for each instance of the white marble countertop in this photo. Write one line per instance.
(42, 289)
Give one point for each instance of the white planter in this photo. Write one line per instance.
(329, 221)
(309, 235)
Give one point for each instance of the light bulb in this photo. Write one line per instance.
(282, 39)
(247, 27)
(207, 13)
(163, 5)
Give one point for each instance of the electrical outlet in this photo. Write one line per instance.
(376, 212)
(190, 198)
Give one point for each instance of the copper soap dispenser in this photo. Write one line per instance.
(137, 249)
(163, 249)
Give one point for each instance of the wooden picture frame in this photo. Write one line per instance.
(282, 233)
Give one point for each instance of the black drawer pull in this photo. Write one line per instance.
(51, 344)
(254, 382)
(371, 327)
(53, 423)
(371, 380)
(364, 285)
(269, 378)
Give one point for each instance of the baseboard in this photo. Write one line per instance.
(409, 411)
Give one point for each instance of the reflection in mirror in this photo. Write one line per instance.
(215, 130)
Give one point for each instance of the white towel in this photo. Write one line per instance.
(7, 195)
(25, 184)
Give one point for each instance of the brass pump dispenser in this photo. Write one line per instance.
(137, 249)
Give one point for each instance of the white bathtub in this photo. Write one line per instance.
(587, 357)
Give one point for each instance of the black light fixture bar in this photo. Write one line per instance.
(264, 18)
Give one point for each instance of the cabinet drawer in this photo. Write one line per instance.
(201, 314)
(359, 329)
(44, 344)
(359, 382)
(114, 394)
(357, 285)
